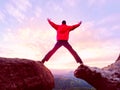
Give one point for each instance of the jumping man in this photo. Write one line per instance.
(62, 40)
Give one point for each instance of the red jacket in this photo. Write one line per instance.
(63, 30)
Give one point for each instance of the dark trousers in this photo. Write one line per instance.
(66, 45)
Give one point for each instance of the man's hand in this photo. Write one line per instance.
(80, 22)
(48, 19)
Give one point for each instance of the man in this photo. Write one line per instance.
(62, 40)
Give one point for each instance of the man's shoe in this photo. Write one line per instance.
(81, 64)
(43, 61)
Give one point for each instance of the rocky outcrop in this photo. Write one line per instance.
(23, 74)
(118, 58)
(107, 78)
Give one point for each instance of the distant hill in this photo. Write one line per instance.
(69, 82)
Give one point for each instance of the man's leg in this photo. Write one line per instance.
(73, 52)
(51, 52)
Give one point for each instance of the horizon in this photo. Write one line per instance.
(25, 32)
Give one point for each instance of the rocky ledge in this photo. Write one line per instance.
(107, 78)
(23, 74)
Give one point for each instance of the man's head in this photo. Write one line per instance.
(63, 22)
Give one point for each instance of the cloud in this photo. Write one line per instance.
(34, 42)
(22, 5)
(94, 41)
(37, 12)
(110, 19)
(18, 45)
(15, 13)
(27, 42)
(106, 29)
(96, 2)
(17, 9)
(110, 26)
(71, 2)
(54, 6)
(2, 16)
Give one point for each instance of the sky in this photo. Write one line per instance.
(25, 32)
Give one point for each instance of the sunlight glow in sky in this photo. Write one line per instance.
(25, 32)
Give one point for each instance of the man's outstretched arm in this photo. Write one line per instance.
(55, 26)
(76, 25)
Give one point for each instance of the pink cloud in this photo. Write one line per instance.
(17, 8)
(22, 5)
(38, 12)
(2, 17)
(110, 19)
(90, 43)
(17, 13)
(71, 2)
(27, 42)
(96, 2)
(33, 41)
(54, 6)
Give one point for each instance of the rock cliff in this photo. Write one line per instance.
(23, 74)
(107, 78)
